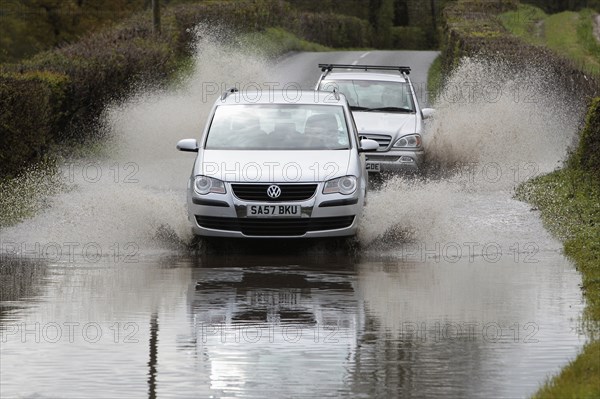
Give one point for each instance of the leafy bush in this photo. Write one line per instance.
(409, 37)
(587, 156)
(275, 41)
(473, 28)
(101, 68)
(59, 95)
(330, 29)
(31, 104)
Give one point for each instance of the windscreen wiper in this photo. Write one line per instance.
(338, 148)
(358, 108)
(391, 109)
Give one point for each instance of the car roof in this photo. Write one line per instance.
(290, 96)
(365, 75)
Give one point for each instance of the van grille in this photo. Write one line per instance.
(274, 227)
(289, 192)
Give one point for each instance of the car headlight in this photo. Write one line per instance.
(409, 141)
(204, 185)
(344, 185)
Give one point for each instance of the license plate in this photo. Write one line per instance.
(273, 210)
(373, 167)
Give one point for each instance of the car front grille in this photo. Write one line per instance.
(274, 227)
(289, 192)
(382, 158)
(381, 139)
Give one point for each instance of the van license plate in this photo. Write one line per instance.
(273, 210)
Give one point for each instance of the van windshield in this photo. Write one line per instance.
(373, 95)
(278, 127)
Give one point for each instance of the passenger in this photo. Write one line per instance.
(321, 130)
(284, 134)
(246, 131)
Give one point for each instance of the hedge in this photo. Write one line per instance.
(31, 105)
(587, 156)
(59, 95)
(330, 29)
(472, 28)
(409, 37)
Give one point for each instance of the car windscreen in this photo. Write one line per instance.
(373, 95)
(279, 127)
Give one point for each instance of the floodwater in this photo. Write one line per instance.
(451, 289)
(418, 320)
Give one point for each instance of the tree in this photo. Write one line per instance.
(382, 19)
(156, 15)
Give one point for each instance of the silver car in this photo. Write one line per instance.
(385, 107)
(278, 164)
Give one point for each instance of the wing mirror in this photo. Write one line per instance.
(367, 145)
(428, 113)
(188, 145)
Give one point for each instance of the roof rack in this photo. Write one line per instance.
(329, 67)
(228, 92)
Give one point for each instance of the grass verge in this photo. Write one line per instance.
(580, 379)
(525, 22)
(567, 33)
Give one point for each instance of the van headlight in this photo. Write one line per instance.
(344, 185)
(204, 185)
(409, 141)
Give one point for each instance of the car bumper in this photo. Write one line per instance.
(396, 161)
(323, 215)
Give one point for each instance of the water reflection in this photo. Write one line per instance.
(468, 329)
(85, 321)
(20, 278)
(248, 324)
(262, 328)
(433, 328)
(152, 362)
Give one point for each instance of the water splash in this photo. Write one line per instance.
(134, 193)
(489, 112)
(494, 128)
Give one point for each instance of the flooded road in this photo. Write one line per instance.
(451, 289)
(412, 321)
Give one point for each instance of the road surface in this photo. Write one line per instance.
(456, 289)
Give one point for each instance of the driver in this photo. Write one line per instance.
(392, 98)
